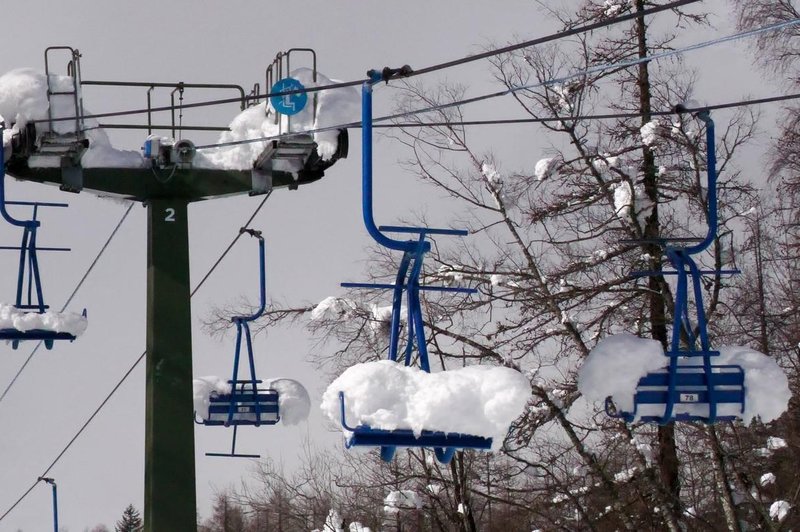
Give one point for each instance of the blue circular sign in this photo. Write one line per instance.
(289, 104)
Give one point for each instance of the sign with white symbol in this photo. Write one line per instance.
(289, 104)
(689, 398)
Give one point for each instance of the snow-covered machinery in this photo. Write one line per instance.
(406, 282)
(691, 387)
(164, 153)
(244, 402)
(266, 146)
(29, 318)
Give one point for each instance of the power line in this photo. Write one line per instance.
(433, 68)
(599, 68)
(230, 246)
(554, 37)
(608, 116)
(75, 437)
(130, 370)
(512, 121)
(69, 299)
(579, 74)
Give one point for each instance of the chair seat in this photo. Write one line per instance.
(363, 435)
(16, 336)
(444, 443)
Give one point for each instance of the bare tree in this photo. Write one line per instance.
(551, 252)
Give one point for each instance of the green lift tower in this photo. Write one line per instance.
(41, 156)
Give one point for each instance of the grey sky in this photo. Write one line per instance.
(314, 235)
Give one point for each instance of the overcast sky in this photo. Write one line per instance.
(314, 235)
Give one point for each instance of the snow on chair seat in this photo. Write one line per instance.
(629, 374)
(277, 400)
(385, 404)
(17, 325)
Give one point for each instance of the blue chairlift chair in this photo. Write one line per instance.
(406, 282)
(715, 392)
(247, 403)
(29, 296)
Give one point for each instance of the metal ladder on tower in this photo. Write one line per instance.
(64, 142)
(296, 150)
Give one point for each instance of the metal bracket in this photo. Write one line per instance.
(261, 181)
(71, 177)
(71, 170)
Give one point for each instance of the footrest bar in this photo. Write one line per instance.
(387, 286)
(651, 273)
(423, 230)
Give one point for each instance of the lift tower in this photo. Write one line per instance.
(55, 158)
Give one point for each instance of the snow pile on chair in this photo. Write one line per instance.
(294, 403)
(61, 322)
(476, 400)
(613, 369)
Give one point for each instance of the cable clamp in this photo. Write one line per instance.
(251, 232)
(701, 113)
(389, 73)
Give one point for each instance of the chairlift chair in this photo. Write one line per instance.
(406, 282)
(691, 387)
(248, 403)
(29, 296)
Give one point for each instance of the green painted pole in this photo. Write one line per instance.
(169, 493)
(169, 479)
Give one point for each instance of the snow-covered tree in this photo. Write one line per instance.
(552, 249)
(764, 308)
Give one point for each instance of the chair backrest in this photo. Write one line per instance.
(248, 408)
(692, 393)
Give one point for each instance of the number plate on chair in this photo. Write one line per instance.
(689, 397)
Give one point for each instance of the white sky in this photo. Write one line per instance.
(314, 235)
